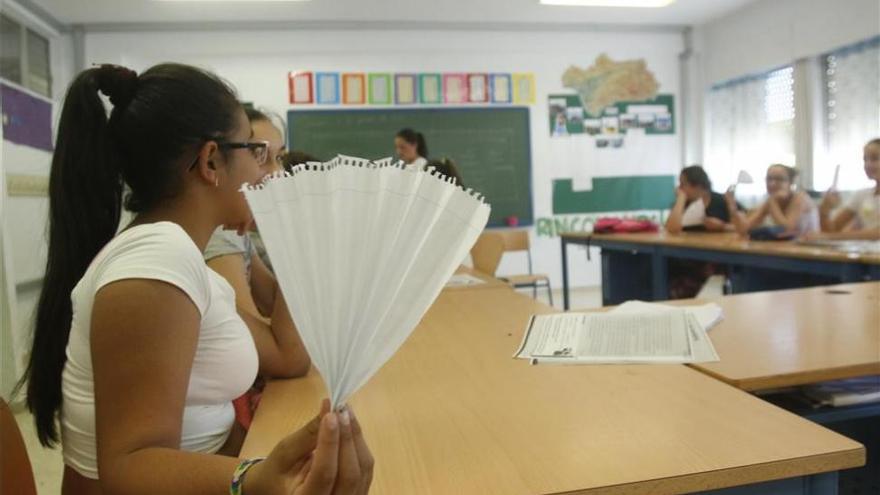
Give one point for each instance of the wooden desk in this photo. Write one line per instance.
(634, 266)
(797, 337)
(452, 412)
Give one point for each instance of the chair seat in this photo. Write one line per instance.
(526, 280)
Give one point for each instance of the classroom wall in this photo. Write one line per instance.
(257, 63)
(762, 36)
(24, 217)
(769, 33)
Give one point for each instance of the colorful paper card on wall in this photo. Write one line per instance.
(455, 89)
(499, 88)
(405, 89)
(300, 85)
(380, 89)
(353, 89)
(27, 119)
(524, 88)
(430, 87)
(327, 88)
(478, 88)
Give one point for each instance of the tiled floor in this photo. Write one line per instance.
(48, 466)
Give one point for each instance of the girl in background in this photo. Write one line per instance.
(694, 185)
(257, 294)
(447, 167)
(411, 148)
(860, 217)
(793, 212)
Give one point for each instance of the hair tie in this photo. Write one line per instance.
(118, 83)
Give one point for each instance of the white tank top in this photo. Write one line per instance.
(225, 362)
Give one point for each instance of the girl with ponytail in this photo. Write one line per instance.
(134, 335)
(411, 148)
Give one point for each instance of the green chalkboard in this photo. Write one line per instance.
(647, 192)
(491, 146)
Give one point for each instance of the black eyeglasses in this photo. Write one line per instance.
(259, 149)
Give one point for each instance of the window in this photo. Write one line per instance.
(852, 113)
(750, 125)
(24, 57)
(38, 74)
(10, 50)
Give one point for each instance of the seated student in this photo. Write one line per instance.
(447, 167)
(694, 185)
(257, 294)
(792, 211)
(138, 349)
(862, 212)
(410, 147)
(687, 277)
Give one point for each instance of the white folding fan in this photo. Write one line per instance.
(361, 249)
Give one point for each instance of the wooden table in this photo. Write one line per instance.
(797, 337)
(453, 412)
(634, 266)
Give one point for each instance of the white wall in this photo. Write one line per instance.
(257, 63)
(767, 34)
(770, 33)
(24, 218)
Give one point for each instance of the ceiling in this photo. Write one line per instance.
(417, 12)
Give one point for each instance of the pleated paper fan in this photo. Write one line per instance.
(361, 249)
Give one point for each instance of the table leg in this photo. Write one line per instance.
(565, 288)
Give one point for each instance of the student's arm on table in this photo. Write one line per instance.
(280, 349)
(673, 222)
(838, 222)
(790, 217)
(738, 219)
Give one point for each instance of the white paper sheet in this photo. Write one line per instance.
(361, 249)
(707, 315)
(651, 337)
(464, 280)
(694, 214)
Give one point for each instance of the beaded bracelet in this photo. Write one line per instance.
(240, 471)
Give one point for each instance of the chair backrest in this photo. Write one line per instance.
(487, 252)
(16, 475)
(515, 240)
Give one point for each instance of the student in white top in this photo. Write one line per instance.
(411, 148)
(138, 349)
(860, 217)
(785, 206)
(257, 294)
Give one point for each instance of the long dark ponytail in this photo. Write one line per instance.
(156, 118)
(416, 138)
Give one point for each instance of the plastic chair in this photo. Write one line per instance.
(518, 241)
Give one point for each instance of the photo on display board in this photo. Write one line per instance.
(353, 90)
(478, 88)
(430, 88)
(327, 88)
(524, 88)
(300, 87)
(405, 89)
(569, 116)
(455, 88)
(380, 89)
(499, 88)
